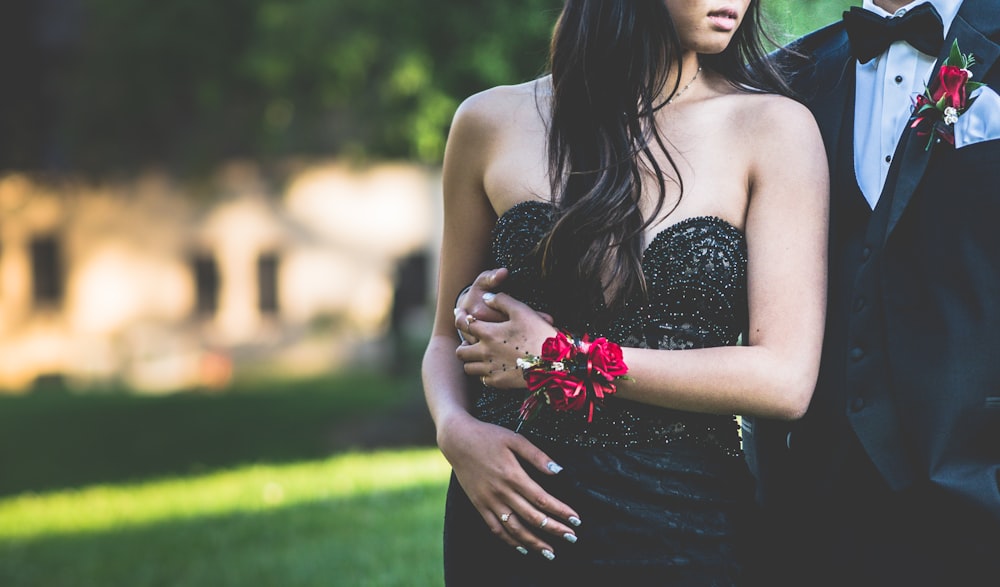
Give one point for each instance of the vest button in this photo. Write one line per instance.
(857, 404)
(866, 253)
(857, 353)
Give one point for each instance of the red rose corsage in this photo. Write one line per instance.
(571, 375)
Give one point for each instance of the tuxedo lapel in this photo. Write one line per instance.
(830, 107)
(911, 154)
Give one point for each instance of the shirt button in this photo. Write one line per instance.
(857, 404)
(857, 353)
(899, 79)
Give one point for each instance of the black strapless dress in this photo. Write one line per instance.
(665, 495)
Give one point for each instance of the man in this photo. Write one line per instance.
(893, 476)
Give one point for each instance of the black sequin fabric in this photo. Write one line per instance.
(665, 495)
(696, 280)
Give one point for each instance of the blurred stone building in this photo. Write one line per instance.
(159, 286)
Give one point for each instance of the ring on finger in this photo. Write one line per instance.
(469, 319)
(482, 379)
(505, 517)
(544, 522)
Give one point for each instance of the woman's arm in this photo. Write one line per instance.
(786, 232)
(484, 456)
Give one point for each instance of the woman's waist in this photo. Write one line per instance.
(617, 423)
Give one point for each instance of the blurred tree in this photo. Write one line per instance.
(114, 85)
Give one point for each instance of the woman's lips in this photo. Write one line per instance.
(724, 20)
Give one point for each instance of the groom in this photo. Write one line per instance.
(892, 478)
(893, 475)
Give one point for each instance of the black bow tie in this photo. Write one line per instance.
(871, 34)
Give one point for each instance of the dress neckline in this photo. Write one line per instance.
(659, 235)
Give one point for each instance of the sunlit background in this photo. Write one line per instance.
(218, 239)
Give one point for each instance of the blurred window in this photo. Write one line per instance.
(206, 279)
(46, 272)
(267, 283)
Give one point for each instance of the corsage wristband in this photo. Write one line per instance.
(571, 375)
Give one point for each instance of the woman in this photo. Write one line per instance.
(650, 190)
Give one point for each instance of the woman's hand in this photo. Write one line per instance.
(516, 509)
(470, 305)
(493, 359)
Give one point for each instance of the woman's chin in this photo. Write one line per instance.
(712, 48)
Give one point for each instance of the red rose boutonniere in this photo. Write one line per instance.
(571, 375)
(936, 111)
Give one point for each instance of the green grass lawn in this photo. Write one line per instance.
(57, 439)
(263, 485)
(360, 519)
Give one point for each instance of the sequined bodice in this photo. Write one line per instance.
(695, 273)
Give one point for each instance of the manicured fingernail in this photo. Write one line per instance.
(553, 467)
(549, 554)
(575, 520)
(522, 550)
(488, 296)
(571, 538)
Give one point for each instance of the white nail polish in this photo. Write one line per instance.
(488, 296)
(571, 538)
(549, 554)
(553, 467)
(575, 520)
(522, 550)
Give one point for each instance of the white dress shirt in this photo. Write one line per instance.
(886, 87)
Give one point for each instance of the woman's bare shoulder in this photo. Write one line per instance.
(497, 108)
(773, 115)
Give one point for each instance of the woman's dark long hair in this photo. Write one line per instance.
(609, 63)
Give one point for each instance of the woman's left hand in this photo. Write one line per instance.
(493, 359)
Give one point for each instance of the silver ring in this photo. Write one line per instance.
(504, 518)
(545, 521)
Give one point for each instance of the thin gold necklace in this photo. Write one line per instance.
(678, 94)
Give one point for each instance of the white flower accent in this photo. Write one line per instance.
(525, 364)
(558, 366)
(950, 115)
(968, 73)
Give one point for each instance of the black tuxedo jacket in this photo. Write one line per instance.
(911, 361)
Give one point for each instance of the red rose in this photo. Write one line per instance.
(951, 86)
(606, 358)
(557, 348)
(566, 392)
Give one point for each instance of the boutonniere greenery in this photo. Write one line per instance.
(936, 111)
